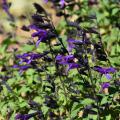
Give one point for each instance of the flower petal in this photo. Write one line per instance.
(108, 76)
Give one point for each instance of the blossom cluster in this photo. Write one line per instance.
(81, 54)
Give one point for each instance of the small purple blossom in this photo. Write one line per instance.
(105, 71)
(22, 56)
(6, 8)
(105, 85)
(29, 57)
(22, 117)
(62, 3)
(72, 42)
(25, 116)
(73, 66)
(45, 1)
(40, 33)
(61, 59)
(22, 68)
(67, 60)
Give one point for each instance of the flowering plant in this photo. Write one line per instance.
(66, 73)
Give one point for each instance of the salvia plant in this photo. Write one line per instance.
(66, 73)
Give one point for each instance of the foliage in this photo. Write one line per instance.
(68, 71)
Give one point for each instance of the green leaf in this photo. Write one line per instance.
(74, 113)
(3, 49)
(23, 104)
(28, 48)
(87, 101)
(45, 109)
(12, 105)
(38, 99)
(24, 89)
(12, 116)
(8, 41)
(104, 79)
(115, 10)
(108, 117)
(104, 100)
(75, 109)
(93, 117)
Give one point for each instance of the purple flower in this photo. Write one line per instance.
(67, 60)
(105, 85)
(105, 71)
(73, 66)
(40, 33)
(25, 116)
(22, 117)
(22, 68)
(22, 56)
(62, 3)
(29, 57)
(72, 42)
(34, 27)
(61, 59)
(45, 1)
(6, 8)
